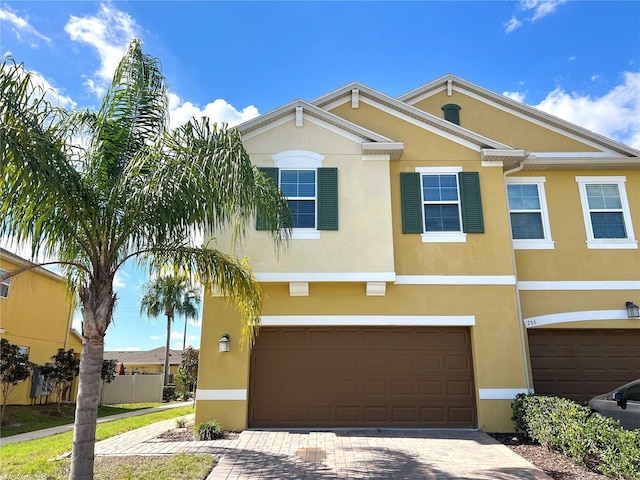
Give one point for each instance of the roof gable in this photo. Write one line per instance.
(412, 114)
(451, 83)
(372, 143)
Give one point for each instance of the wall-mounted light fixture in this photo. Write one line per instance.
(225, 342)
(632, 310)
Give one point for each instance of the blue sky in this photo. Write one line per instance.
(231, 61)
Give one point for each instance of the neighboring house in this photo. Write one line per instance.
(150, 362)
(451, 248)
(36, 314)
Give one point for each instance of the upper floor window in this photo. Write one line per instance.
(528, 213)
(605, 209)
(311, 191)
(299, 186)
(441, 203)
(4, 284)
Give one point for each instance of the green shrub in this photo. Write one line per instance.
(593, 440)
(209, 431)
(169, 393)
(181, 422)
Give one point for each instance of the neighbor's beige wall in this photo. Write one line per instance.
(133, 389)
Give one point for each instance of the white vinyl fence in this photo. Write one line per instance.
(134, 389)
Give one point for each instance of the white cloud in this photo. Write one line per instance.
(178, 335)
(218, 111)
(52, 94)
(512, 24)
(109, 32)
(118, 281)
(533, 10)
(192, 341)
(518, 96)
(155, 338)
(21, 25)
(616, 114)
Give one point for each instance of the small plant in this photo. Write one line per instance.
(181, 422)
(209, 431)
(169, 393)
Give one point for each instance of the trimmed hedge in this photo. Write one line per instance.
(598, 442)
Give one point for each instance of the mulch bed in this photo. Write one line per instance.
(187, 435)
(554, 464)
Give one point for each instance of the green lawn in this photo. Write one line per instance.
(27, 418)
(32, 459)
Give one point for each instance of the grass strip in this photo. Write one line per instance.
(28, 418)
(33, 456)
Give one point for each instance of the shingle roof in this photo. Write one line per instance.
(149, 356)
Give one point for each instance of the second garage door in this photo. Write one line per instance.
(578, 364)
(368, 377)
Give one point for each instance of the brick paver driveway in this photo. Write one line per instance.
(371, 454)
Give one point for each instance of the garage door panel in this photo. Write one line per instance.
(403, 387)
(578, 364)
(361, 377)
(430, 362)
(457, 362)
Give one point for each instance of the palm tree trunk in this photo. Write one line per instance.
(97, 307)
(166, 350)
(84, 432)
(184, 338)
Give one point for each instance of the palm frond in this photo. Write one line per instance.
(232, 277)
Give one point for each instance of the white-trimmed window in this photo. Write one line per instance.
(441, 205)
(528, 213)
(606, 212)
(299, 186)
(310, 189)
(4, 284)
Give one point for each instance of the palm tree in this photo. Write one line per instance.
(171, 296)
(92, 190)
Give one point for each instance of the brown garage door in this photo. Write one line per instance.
(368, 377)
(579, 364)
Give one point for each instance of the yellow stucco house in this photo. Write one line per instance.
(36, 314)
(146, 362)
(452, 248)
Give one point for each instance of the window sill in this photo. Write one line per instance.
(305, 234)
(521, 244)
(612, 244)
(444, 237)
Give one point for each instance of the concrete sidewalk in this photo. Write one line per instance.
(22, 437)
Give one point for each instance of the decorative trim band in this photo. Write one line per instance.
(221, 394)
(581, 285)
(500, 393)
(455, 280)
(368, 320)
(325, 276)
(575, 317)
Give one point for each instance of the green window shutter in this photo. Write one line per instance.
(471, 202)
(327, 199)
(272, 173)
(411, 202)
